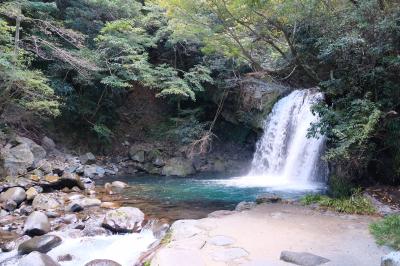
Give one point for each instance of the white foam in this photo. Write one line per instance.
(124, 249)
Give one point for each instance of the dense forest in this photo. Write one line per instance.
(68, 65)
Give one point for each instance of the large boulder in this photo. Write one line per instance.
(87, 158)
(178, 166)
(47, 201)
(23, 153)
(124, 219)
(250, 102)
(139, 156)
(16, 194)
(37, 224)
(38, 151)
(82, 203)
(37, 259)
(39, 243)
(391, 259)
(48, 144)
(17, 159)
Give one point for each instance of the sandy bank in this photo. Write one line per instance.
(257, 237)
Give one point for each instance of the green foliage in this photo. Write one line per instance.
(340, 187)
(103, 132)
(349, 50)
(20, 86)
(183, 129)
(78, 60)
(309, 199)
(125, 45)
(387, 231)
(360, 86)
(355, 204)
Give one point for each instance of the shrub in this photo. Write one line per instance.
(355, 204)
(387, 231)
(340, 187)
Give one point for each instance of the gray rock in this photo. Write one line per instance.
(36, 224)
(102, 263)
(158, 161)
(47, 201)
(10, 205)
(3, 213)
(38, 152)
(9, 182)
(39, 243)
(268, 199)
(17, 159)
(16, 194)
(178, 166)
(302, 258)
(221, 241)
(45, 166)
(151, 169)
(11, 245)
(75, 208)
(229, 254)
(52, 214)
(69, 218)
(86, 202)
(95, 231)
(26, 210)
(66, 257)
(48, 144)
(71, 180)
(93, 170)
(245, 205)
(37, 259)
(119, 184)
(138, 157)
(391, 259)
(87, 158)
(124, 219)
(31, 193)
(88, 183)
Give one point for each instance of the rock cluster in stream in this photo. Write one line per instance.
(46, 193)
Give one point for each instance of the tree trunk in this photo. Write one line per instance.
(16, 40)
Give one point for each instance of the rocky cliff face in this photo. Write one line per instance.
(250, 101)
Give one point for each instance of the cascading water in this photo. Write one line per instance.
(285, 158)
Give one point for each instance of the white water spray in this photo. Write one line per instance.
(285, 158)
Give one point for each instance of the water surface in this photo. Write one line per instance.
(193, 197)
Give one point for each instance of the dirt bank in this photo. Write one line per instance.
(258, 236)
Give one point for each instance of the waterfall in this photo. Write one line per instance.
(284, 157)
